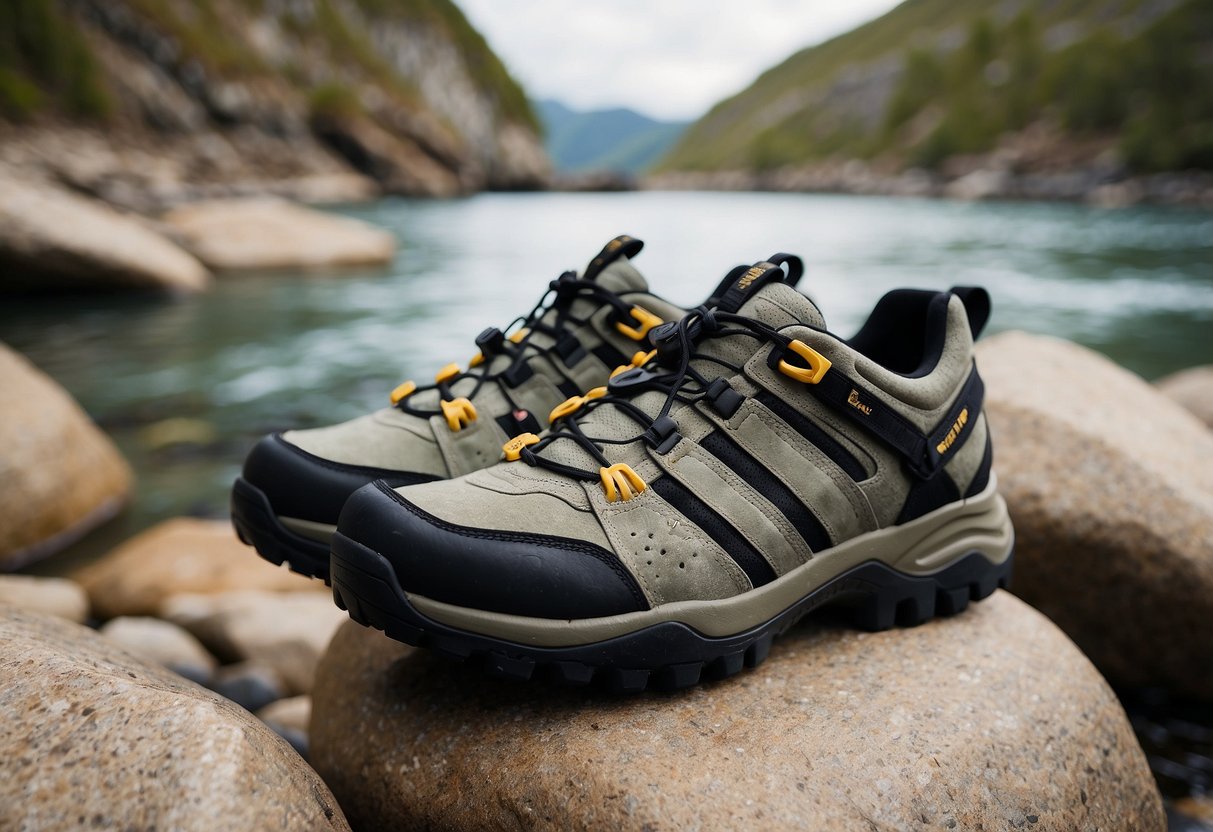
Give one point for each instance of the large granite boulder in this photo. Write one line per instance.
(51, 238)
(988, 720)
(179, 556)
(1110, 486)
(91, 736)
(59, 475)
(1192, 389)
(268, 234)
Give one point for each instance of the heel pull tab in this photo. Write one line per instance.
(977, 306)
(621, 246)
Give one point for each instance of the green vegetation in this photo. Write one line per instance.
(334, 101)
(1146, 88)
(45, 63)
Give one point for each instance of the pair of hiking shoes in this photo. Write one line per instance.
(616, 487)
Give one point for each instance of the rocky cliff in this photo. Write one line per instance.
(148, 102)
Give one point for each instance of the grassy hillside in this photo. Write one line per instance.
(933, 78)
(619, 139)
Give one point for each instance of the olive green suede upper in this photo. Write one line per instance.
(671, 558)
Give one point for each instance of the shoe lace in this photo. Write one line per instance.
(676, 367)
(519, 346)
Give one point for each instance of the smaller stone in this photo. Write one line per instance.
(53, 596)
(292, 712)
(268, 234)
(250, 685)
(163, 643)
(182, 555)
(289, 719)
(285, 631)
(1196, 811)
(1192, 389)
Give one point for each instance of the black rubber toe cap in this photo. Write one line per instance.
(308, 487)
(539, 576)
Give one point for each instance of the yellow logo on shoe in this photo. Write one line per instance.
(853, 401)
(961, 421)
(751, 275)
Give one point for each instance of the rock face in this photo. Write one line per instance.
(285, 631)
(91, 735)
(272, 98)
(267, 234)
(182, 555)
(1193, 390)
(1110, 486)
(59, 475)
(52, 239)
(50, 596)
(989, 720)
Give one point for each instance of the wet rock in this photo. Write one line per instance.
(59, 475)
(182, 555)
(164, 643)
(93, 736)
(1110, 486)
(397, 163)
(266, 234)
(53, 239)
(284, 631)
(250, 685)
(51, 596)
(988, 720)
(1192, 389)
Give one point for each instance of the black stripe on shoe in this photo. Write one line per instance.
(768, 485)
(825, 443)
(716, 527)
(610, 356)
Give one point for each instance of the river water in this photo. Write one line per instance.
(267, 351)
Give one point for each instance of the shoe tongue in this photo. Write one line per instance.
(612, 267)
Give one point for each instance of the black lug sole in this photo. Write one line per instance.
(258, 526)
(668, 655)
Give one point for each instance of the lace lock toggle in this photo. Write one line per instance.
(620, 482)
(818, 364)
(663, 435)
(645, 320)
(639, 359)
(513, 448)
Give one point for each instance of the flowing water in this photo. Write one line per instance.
(186, 385)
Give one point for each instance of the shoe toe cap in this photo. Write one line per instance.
(302, 485)
(540, 576)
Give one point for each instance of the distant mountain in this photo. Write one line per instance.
(1051, 82)
(620, 140)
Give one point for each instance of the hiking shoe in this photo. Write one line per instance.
(294, 484)
(748, 469)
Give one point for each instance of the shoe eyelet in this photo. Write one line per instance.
(620, 482)
(513, 448)
(459, 413)
(402, 392)
(645, 319)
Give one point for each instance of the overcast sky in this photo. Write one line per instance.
(670, 59)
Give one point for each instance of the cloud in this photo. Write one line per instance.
(671, 59)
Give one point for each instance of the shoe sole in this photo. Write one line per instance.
(876, 595)
(257, 526)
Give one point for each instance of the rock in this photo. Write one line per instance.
(265, 234)
(289, 719)
(285, 631)
(293, 712)
(59, 475)
(979, 184)
(93, 736)
(51, 596)
(988, 720)
(182, 555)
(400, 165)
(51, 239)
(250, 685)
(165, 644)
(1110, 487)
(1192, 389)
(1196, 809)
